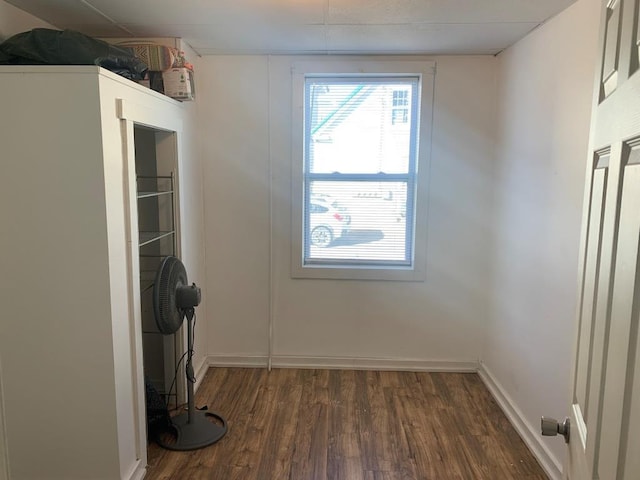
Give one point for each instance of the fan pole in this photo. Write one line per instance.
(191, 403)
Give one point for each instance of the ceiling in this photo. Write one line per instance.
(308, 26)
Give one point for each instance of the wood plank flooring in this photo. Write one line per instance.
(291, 424)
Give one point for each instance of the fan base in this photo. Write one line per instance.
(200, 433)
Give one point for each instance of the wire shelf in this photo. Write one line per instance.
(149, 237)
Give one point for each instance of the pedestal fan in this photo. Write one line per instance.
(173, 300)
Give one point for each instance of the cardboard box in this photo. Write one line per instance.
(178, 83)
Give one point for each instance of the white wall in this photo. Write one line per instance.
(233, 122)
(245, 110)
(545, 94)
(13, 20)
(192, 215)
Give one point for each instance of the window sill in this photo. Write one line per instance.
(350, 272)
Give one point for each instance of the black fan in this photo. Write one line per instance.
(173, 300)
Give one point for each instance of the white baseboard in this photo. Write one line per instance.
(292, 361)
(358, 363)
(248, 361)
(527, 432)
(138, 472)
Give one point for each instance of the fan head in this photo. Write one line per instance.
(172, 295)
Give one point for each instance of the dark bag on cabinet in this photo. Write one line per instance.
(43, 46)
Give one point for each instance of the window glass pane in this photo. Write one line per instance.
(359, 125)
(357, 221)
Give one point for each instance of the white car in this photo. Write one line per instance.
(328, 220)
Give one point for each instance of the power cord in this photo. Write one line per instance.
(191, 341)
(189, 354)
(173, 383)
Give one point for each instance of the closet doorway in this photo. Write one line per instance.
(156, 170)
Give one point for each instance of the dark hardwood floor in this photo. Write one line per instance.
(292, 424)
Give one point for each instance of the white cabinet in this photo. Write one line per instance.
(70, 328)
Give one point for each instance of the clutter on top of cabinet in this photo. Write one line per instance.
(44, 46)
(160, 67)
(169, 71)
(178, 83)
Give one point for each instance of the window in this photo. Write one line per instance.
(358, 190)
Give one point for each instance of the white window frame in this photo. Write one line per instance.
(425, 71)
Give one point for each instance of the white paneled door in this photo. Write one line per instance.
(605, 411)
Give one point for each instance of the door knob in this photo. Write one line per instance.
(550, 427)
